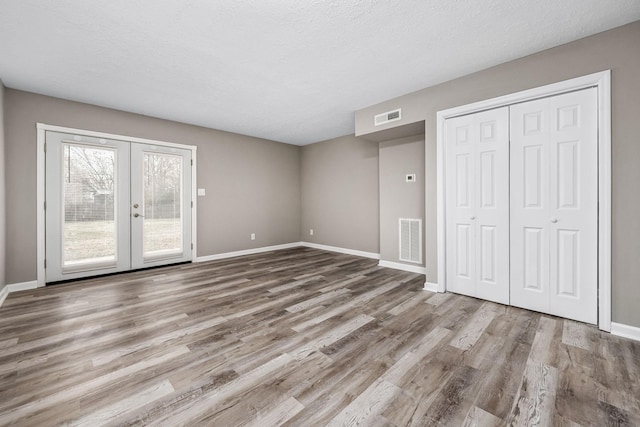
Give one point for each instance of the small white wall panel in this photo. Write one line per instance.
(532, 176)
(488, 254)
(533, 265)
(463, 250)
(567, 174)
(567, 273)
(487, 180)
(463, 183)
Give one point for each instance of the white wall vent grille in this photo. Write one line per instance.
(389, 116)
(411, 240)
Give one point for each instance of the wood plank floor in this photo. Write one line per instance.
(300, 337)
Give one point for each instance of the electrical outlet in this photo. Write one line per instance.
(311, 232)
(253, 236)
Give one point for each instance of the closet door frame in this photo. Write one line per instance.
(600, 80)
(41, 129)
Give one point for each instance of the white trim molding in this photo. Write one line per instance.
(62, 129)
(225, 255)
(287, 246)
(430, 286)
(16, 287)
(404, 267)
(3, 294)
(625, 331)
(194, 207)
(42, 128)
(40, 199)
(341, 250)
(600, 80)
(24, 286)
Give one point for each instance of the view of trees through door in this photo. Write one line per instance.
(114, 205)
(89, 230)
(89, 203)
(162, 208)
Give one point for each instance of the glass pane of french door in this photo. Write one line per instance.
(162, 195)
(89, 224)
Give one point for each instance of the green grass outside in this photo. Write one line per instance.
(96, 239)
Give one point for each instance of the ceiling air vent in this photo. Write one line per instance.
(389, 116)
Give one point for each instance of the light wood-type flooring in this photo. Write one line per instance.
(300, 337)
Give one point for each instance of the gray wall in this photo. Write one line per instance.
(340, 193)
(618, 50)
(3, 209)
(399, 199)
(252, 185)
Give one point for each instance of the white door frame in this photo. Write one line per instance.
(600, 80)
(42, 128)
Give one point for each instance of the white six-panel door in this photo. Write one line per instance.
(554, 181)
(521, 205)
(477, 203)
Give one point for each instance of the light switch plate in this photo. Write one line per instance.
(201, 192)
(410, 177)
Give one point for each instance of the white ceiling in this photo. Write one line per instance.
(286, 70)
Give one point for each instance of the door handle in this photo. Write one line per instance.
(135, 205)
(136, 215)
(472, 218)
(554, 220)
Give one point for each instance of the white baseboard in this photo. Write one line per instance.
(430, 286)
(404, 267)
(341, 250)
(15, 287)
(24, 286)
(288, 246)
(248, 252)
(625, 331)
(3, 294)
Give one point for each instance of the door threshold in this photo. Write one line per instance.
(118, 273)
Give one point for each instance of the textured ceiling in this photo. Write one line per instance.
(286, 70)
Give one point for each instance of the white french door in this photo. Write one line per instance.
(554, 205)
(477, 202)
(114, 206)
(160, 205)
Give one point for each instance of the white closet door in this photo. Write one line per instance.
(477, 231)
(554, 183)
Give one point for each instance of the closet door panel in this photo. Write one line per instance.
(492, 201)
(460, 200)
(574, 206)
(554, 164)
(477, 231)
(530, 227)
